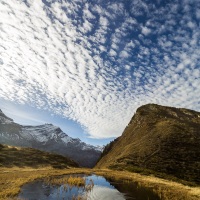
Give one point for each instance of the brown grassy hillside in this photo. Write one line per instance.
(158, 139)
(11, 156)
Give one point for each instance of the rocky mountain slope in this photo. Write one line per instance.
(158, 139)
(48, 138)
(11, 156)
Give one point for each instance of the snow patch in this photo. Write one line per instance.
(4, 120)
(46, 132)
(67, 139)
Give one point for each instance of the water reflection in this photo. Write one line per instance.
(104, 193)
(101, 190)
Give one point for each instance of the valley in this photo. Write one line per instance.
(158, 152)
(99, 100)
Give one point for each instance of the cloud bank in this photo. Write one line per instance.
(95, 62)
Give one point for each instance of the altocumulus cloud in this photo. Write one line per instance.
(96, 61)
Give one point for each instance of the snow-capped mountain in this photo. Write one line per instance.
(4, 119)
(49, 138)
(44, 133)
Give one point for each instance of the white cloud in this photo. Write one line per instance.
(103, 21)
(139, 8)
(112, 53)
(117, 8)
(77, 60)
(124, 54)
(87, 13)
(191, 25)
(198, 13)
(146, 31)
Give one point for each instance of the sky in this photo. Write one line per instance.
(87, 65)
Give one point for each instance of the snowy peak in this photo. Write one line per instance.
(100, 148)
(46, 132)
(4, 119)
(85, 146)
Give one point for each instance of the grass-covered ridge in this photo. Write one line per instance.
(11, 156)
(159, 140)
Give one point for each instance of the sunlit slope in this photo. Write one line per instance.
(158, 139)
(11, 156)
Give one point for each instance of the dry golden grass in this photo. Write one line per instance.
(70, 180)
(167, 190)
(11, 179)
(77, 181)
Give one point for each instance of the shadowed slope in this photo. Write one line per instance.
(11, 156)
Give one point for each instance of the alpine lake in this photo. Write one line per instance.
(84, 187)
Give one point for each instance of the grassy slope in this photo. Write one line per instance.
(27, 157)
(160, 140)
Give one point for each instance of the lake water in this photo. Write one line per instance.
(102, 189)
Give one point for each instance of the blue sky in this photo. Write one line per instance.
(88, 65)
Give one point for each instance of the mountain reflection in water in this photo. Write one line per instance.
(102, 190)
(104, 193)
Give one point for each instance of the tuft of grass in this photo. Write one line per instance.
(79, 198)
(70, 180)
(76, 181)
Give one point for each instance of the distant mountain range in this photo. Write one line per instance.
(48, 138)
(159, 139)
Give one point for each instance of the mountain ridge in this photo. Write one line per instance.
(159, 139)
(47, 137)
